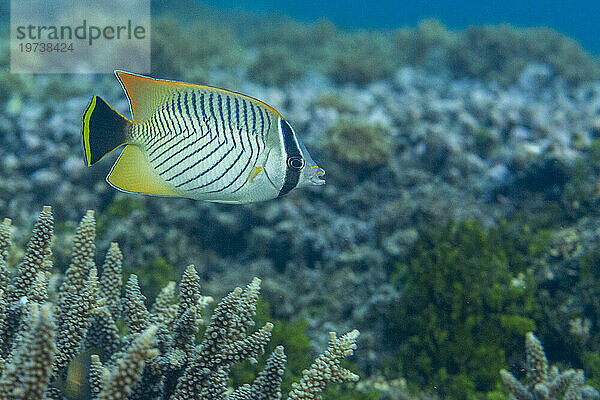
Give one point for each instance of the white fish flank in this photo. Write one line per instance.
(205, 142)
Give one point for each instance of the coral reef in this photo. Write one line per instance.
(159, 357)
(458, 149)
(544, 384)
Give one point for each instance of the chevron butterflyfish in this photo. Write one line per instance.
(196, 141)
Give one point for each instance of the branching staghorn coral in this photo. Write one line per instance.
(16, 290)
(5, 237)
(544, 384)
(326, 368)
(29, 371)
(110, 280)
(159, 356)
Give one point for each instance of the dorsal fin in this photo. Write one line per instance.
(145, 94)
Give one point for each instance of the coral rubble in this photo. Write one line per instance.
(159, 356)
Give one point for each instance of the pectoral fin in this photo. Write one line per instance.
(254, 173)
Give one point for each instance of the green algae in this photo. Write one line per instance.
(468, 297)
(347, 392)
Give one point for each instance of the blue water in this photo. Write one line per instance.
(578, 19)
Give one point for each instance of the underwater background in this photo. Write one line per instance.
(461, 209)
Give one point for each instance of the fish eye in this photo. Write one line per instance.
(296, 162)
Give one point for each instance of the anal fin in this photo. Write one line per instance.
(133, 173)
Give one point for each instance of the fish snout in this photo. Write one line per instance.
(318, 176)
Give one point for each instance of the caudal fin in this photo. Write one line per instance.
(104, 129)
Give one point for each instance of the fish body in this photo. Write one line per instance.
(195, 141)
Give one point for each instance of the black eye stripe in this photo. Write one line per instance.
(292, 174)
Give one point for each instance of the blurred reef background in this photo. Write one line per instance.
(461, 209)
